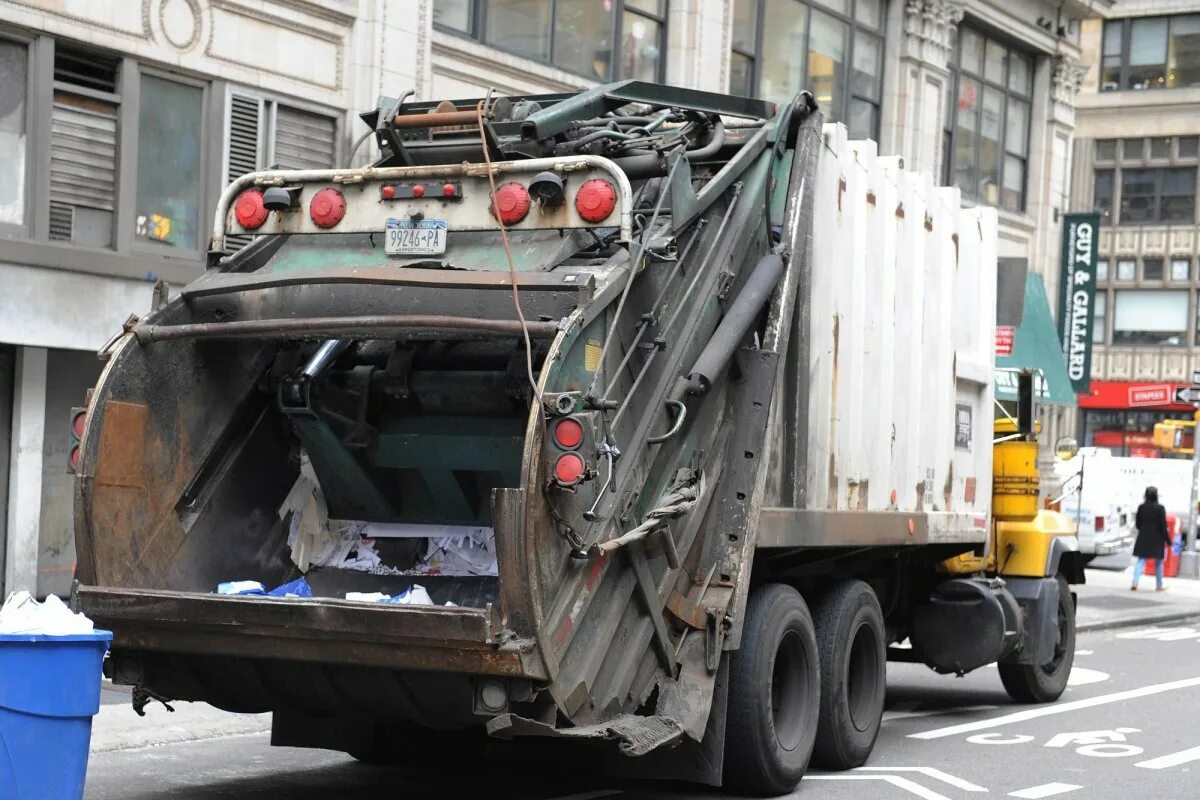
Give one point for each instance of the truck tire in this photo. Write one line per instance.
(774, 694)
(851, 643)
(1045, 683)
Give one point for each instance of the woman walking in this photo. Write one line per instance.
(1152, 538)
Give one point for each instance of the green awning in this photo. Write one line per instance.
(1036, 346)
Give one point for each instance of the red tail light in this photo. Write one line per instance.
(511, 203)
(1099, 524)
(569, 469)
(249, 209)
(327, 208)
(78, 423)
(74, 458)
(595, 200)
(568, 433)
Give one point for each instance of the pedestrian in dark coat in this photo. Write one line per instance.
(1152, 538)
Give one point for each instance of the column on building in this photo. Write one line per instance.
(914, 105)
(698, 41)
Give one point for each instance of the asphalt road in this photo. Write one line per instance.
(1126, 728)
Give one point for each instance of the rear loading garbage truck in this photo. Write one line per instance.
(639, 414)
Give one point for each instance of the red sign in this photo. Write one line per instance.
(1153, 395)
(1005, 336)
(1133, 394)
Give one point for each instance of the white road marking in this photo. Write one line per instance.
(998, 738)
(1059, 708)
(912, 787)
(1045, 790)
(1083, 652)
(1161, 634)
(1082, 676)
(892, 716)
(1109, 750)
(1090, 737)
(930, 772)
(1172, 760)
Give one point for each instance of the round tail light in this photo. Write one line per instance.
(249, 209)
(511, 203)
(78, 424)
(74, 457)
(327, 208)
(568, 433)
(569, 469)
(595, 200)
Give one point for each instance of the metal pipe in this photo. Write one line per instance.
(281, 328)
(326, 354)
(436, 119)
(716, 140)
(736, 323)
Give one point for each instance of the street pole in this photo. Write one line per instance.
(1189, 563)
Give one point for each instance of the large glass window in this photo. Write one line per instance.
(599, 39)
(14, 59)
(1158, 195)
(988, 132)
(1103, 192)
(832, 47)
(168, 179)
(1150, 317)
(1151, 53)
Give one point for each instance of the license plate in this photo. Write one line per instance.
(415, 237)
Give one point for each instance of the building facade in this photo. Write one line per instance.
(1137, 162)
(121, 121)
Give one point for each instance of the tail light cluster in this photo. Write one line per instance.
(1099, 527)
(594, 202)
(326, 209)
(567, 435)
(75, 437)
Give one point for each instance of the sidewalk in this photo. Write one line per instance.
(118, 727)
(1106, 602)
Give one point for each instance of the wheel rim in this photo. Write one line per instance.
(789, 695)
(1060, 645)
(863, 680)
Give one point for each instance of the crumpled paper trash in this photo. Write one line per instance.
(24, 615)
(415, 595)
(296, 588)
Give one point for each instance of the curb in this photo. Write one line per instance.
(119, 728)
(1131, 622)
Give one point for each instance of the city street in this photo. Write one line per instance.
(1126, 723)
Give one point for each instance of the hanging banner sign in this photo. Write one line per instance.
(1077, 296)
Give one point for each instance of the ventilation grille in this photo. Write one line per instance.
(245, 114)
(85, 69)
(83, 152)
(304, 140)
(62, 222)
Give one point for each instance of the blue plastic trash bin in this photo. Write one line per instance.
(49, 692)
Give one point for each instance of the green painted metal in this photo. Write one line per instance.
(478, 444)
(345, 482)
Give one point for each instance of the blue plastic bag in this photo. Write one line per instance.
(296, 588)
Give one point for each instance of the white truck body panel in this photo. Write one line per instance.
(901, 339)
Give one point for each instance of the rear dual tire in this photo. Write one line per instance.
(774, 694)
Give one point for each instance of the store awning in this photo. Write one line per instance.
(1036, 347)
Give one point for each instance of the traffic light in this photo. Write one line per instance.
(78, 423)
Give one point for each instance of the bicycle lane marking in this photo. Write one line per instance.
(1059, 708)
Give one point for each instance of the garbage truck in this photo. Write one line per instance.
(641, 416)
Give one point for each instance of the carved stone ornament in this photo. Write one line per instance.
(1065, 80)
(929, 27)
